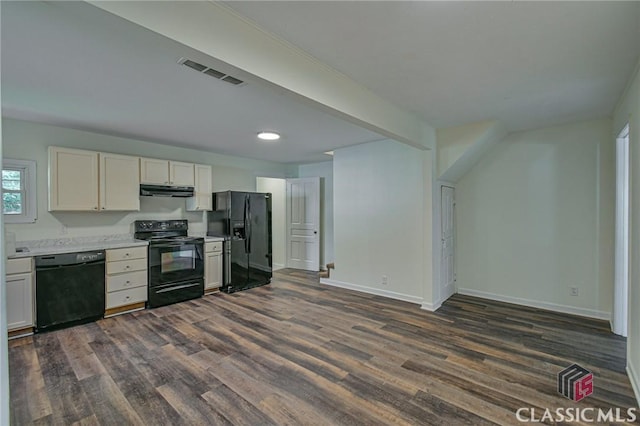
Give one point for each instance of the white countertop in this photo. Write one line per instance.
(208, 239)
(74, 245)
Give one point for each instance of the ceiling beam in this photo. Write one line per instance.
(223, 34)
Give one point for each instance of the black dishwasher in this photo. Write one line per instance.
(69, 289)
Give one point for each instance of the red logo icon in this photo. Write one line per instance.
(575, 382)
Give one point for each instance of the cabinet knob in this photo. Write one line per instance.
(126, 254)
(103, 208)
(95, 208)
(127, 267)
(128, 282)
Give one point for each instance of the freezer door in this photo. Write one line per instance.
(259, 235)
(238, 206)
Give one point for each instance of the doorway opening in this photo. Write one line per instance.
(621, 283)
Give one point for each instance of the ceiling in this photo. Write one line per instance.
(526, 64)
(74, 65)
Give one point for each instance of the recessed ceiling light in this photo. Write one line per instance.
(268, 136)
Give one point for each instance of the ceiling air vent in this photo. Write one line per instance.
(210, 71)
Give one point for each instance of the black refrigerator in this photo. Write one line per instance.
(243, 219)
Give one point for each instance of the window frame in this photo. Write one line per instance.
(30, 206)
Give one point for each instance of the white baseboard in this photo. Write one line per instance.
(277, 266)
(372, 290)
(583, 312)
(432, 307)
(634, 379)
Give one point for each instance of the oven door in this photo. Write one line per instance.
(173, 262)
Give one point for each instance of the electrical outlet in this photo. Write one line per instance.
(385, 280)
(574, 291)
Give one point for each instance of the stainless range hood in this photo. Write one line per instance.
(165, 191)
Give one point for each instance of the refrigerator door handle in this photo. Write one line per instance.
(249, 231)
(246, 228)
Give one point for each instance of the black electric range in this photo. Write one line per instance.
(175, 261)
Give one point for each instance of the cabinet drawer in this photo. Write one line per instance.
(126, 266)
(125, 281)
(126, 297)
(127, 253)
(18, 266)
(215, 246)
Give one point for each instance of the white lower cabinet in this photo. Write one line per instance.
(213, 265)
(120, 298)
(20, 283)
(126, 281)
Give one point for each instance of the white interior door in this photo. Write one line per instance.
(303, 223)
(447, 263)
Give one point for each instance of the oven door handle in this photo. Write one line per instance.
(169, 245)
(179, 287)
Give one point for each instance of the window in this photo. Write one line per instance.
(19, 191)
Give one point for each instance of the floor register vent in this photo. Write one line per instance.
(210, 71)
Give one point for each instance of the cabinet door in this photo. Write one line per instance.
(199, 202)
(202, 189)
(119, 182)
(19, 301)
(154, 172)
(203, 179)
(73, 179)
(213, 270)
(181, 174)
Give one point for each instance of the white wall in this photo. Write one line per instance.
(29, 141)
(278, 189)
(535, 216)
(628, 111)
(4, 347)
(323, 170)
(380, 227)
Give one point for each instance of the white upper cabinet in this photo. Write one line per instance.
(82, 180)
(202, 189)
(119, 182)
(154, 172)
(203, 179)
(181, 174)
(73, 179)
(165, 172)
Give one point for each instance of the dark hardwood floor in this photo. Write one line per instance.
(295, 352)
